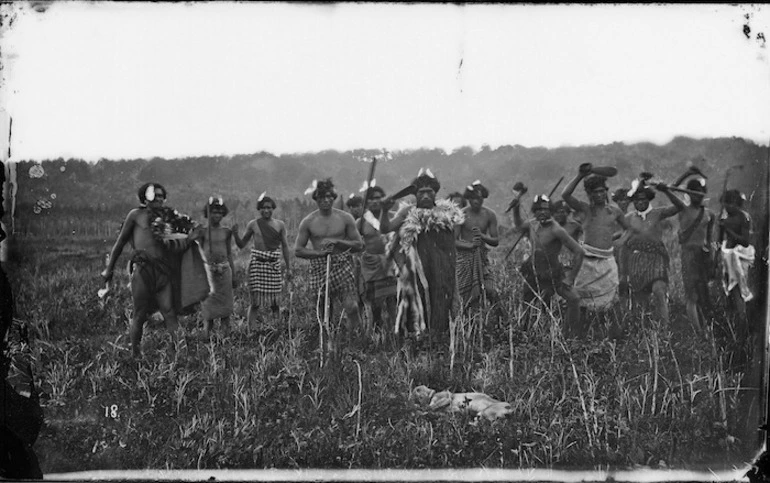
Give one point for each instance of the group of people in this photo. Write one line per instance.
(428, 261)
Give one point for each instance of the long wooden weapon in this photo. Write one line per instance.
(522, 233)
(366, 192)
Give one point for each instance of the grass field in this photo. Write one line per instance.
(655, 397)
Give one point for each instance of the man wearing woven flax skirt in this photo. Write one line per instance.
(479, 230)
(646, 254)
(215, 247)
(377, 271)
(264, 271)
(151, 288)
(333, 236)
(597, 281)
(424, 249)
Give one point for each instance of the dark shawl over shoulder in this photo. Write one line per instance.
(270, 235)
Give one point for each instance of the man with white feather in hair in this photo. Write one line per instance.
(647, 255)
(331, 233)
(473, 236)
(376, 270)
(264, 272)
(424, 248)
(696, 225)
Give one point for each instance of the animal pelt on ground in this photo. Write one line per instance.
(476, 403)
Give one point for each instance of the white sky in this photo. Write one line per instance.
(91, 80)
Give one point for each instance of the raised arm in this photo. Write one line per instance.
(388, 224)
(117, 249)
(566, 194)
(677, 204)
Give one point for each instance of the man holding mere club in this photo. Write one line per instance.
(543, 273)
(646, 254)
(597, 281)
(479, 230)
(333, 235)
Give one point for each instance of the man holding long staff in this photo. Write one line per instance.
(333, 236)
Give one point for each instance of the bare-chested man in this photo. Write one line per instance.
(332, 233)
(479, 230)
(737, 252)
(151, 274)
(218, 260)
(597, 281)
(543, 273)
(561, 214)
(265, 278)
(696, 225)
(647, 256)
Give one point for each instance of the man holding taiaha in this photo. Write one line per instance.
(425, 251)
(379, 282)
(543, 273)
(647, 256)
(473, 236)
(332, 233)
(696, 225)
(264, 270)
(151, 288)
(597, 281)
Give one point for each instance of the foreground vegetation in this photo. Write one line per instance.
(655, 396)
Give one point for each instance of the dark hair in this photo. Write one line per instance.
(593, 182)
(561, 205)
(354, 201)
(215, 205)
(457, 194)
(733, 197)
(645, 190)
(695, 185)
(424, 181)
(478, 190)
(375, 189)
(620, 194)
(143, 190)
(324, 186)
(265, 201)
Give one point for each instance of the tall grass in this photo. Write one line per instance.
(656, 396)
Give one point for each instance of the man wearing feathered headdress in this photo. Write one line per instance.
(424, 248)
(331, 233)
(215, 244)
(647, 256)
(696, 225)
(474, 235)
(597, 281)
(151, 274)
(543, 273)
(264, 270)
(377, 277)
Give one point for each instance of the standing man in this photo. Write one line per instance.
(543, 273)
(479, 230)
(150, 271)
(597, 281)
(425, 251)
(696, 225)
(561, 214)
(379, 282)
(332, 233)
(218, 260)
(265, 278)
(737, 252)
(647, 256)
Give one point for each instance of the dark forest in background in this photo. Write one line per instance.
(77, 198)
